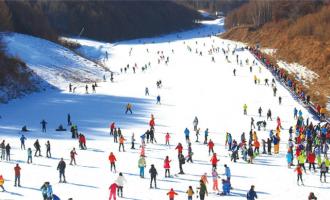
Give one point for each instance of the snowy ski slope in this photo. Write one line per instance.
(193, 85)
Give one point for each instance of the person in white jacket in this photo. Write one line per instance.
(120, 182)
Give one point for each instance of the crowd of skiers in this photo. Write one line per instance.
(308, 143)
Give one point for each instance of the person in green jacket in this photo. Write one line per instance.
(202, 190)
(302, 159)
(142, 164)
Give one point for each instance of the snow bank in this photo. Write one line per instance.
(302, 73)
(54, 63)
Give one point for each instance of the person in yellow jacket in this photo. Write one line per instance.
(128, 108)
(190, 192)
(302, 159)
(245, 109)
(2, 181)
(322, 112)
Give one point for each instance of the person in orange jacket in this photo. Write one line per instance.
(112, 160)
(171, 194)
(121, 142)
(256, 146)
(2, 181)
(17, 170)
(299, 174)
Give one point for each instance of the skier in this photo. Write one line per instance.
(29, 152)
(158, 100)
(167, 139)
(251, 195)
(197, 134)
(115, 135)
(73, 154)
(112, 128)
(210, 144)
(311, 160)
(113, 187)
(202, 190)
(43, 125)
(179, 148)
(190, 192)
(260, 111)
(17, 170)
(195, 123)
(269, 115)
(86, 89)
(146, 93)
(2, 181)
(132, 141)
(171, 194)
(142, 164)
(61, 168)
(121, 142)
(312, 196)
(181, 162)
(279, 100)
(299, 174)
(245, 109)
(206, 134)
(37, 147)
(120, 182)
(8, 148)
(167, 167)
(22, 139)
(252, 123)
(112, 160)
(190, 153)
(186, 133)
(153, 175)
(323, 171)
(234, 72)
(214, 161)
(128, 108)
(228, 174)
(215, 177)
(70, 87)
(48, 154)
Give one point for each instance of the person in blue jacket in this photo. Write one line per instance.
(22, 139)
(251, 195)
(289, 158)
(186, 133)
(225, 187)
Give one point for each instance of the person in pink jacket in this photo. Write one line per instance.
(167, 167)
(113, 188)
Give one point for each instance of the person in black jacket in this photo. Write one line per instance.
(182, 161)
(153, 174)
(37, 146)
(61, 168)
(251, 195)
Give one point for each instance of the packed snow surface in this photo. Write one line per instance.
(193, 85)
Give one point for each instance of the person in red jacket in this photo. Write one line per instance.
(299, 174)
(112, 128)
(113, 187)
(167, 167)
(179, 147)
(171, 194)
(210, 144)
(311, 160)
(17, 170)
(152, 122)
(82, 141)
(112, 160)
(214, 160)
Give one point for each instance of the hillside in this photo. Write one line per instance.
(101, 20)
(303, 39)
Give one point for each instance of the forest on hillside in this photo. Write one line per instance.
(101, 20)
